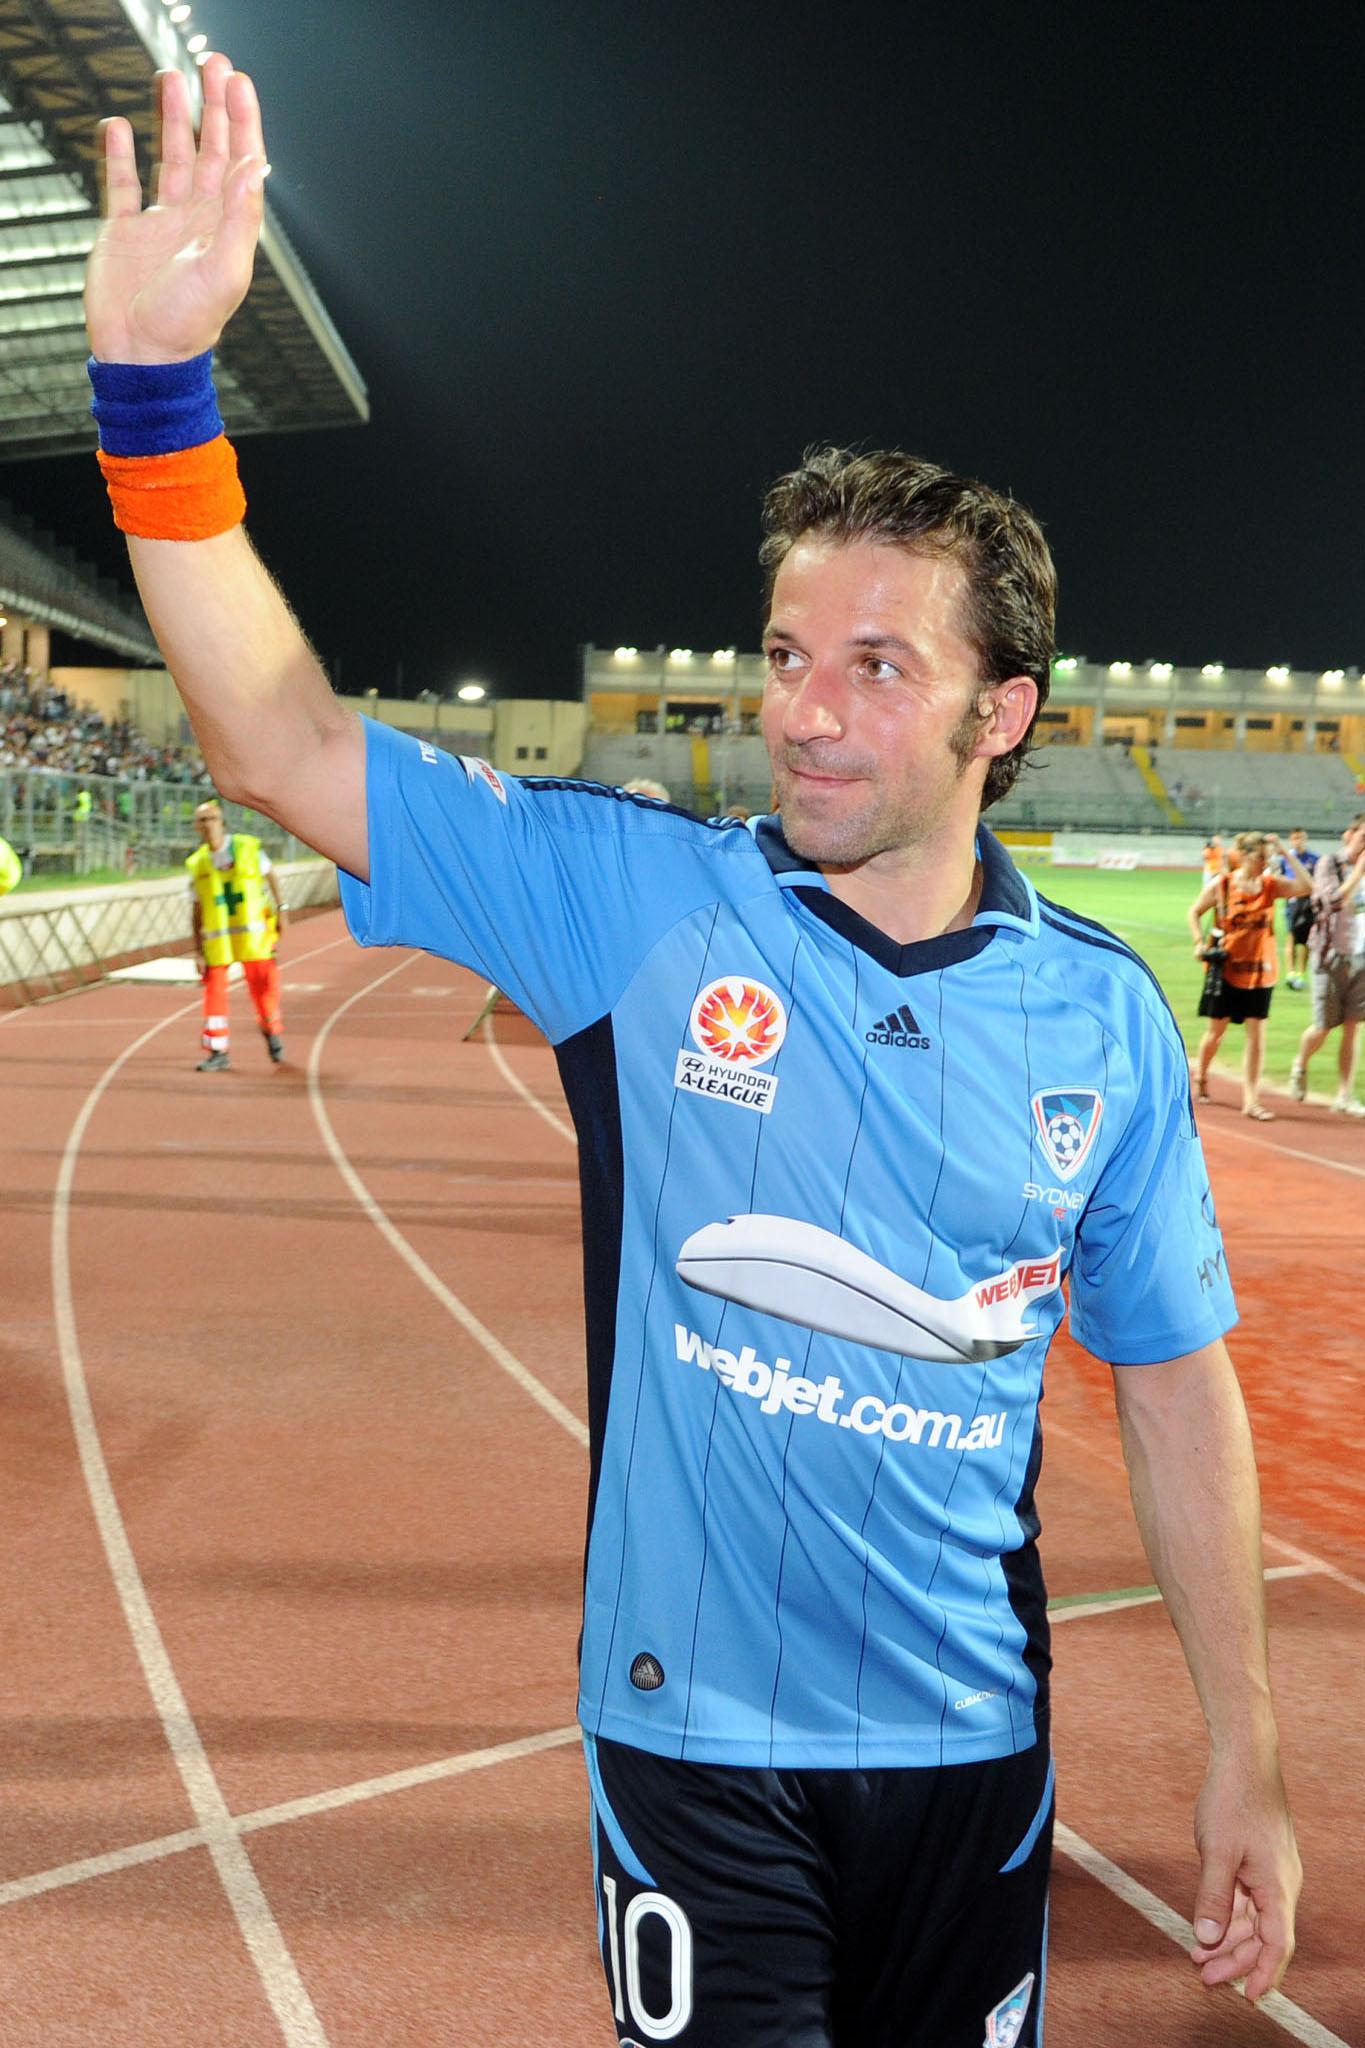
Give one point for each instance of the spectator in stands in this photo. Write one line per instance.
(1336, 946)
(40, 728)
(1243, 903)
(1298, 916)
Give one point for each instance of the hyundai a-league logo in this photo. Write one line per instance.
(737, 1025)
(1005, 2023)
(1067, 1120)
(738, 1020)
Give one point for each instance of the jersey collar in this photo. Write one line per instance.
(1008, 902)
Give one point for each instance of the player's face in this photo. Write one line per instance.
(870, 705)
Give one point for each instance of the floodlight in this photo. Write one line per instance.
(626, 653)
(1120, 668)
(180, 12)
(680, 654)
(1159, 670)
(1278, 674)
(472, 693)
(1212, 669)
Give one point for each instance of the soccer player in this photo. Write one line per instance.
(851, 1100)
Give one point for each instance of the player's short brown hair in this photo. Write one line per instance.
(891, 496)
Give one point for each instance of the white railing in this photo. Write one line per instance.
(52, 941)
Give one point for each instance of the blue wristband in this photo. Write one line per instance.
(155, 408)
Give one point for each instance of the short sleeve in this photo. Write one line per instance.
(1149, 1279)
(553, 891)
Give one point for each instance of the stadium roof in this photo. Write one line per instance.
(63, 64)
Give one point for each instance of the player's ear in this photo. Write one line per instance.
(1006, 711)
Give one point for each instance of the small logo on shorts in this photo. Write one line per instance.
(1005, 2023)
(646, 1675)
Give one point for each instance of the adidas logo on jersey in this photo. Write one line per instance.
(899, 1028)
(646, 1673)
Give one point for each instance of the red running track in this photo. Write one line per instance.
(294, 1477)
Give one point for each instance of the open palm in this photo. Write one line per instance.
(163, 280)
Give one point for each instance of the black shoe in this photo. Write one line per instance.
(274, 1045)
(213, 1063)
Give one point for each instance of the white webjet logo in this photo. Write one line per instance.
(804, 1274)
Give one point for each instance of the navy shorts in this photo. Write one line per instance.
(746, 1908)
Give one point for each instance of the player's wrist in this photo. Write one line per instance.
(170, 469)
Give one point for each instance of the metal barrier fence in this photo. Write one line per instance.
(53, 942)
(78, 823)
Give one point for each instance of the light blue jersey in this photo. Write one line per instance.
(832, 1187)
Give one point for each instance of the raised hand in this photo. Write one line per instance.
(163, 280)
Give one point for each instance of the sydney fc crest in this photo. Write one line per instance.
(1067, 1120)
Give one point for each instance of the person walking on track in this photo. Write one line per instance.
(238, 915)
(852, 1101)
(1336, 945)
(1243, 906)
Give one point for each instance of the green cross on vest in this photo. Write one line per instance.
(234, 899)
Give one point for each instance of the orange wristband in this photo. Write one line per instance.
(191, 494)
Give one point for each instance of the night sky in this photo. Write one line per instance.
(607, 269)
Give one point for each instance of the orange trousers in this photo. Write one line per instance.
(263, 981)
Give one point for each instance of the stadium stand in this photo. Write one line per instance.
(1236, 786)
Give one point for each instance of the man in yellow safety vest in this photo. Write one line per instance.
(238, 915)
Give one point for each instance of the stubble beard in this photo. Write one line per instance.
(848, 842)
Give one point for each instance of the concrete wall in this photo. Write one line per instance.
(147, 695)
(539, 736)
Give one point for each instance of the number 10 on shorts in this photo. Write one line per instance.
(623, 1961)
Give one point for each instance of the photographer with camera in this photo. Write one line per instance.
(1240, 957)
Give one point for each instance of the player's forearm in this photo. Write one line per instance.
(1192, 1474)
(259, 703)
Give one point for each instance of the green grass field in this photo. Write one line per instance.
(33, 885)
(1147, 908)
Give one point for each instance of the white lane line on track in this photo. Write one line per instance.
(1316, 1564)
(1121, 1603)
(1313, 1562)
(451, 1302)
(1218, 1130)
(160, 1846)
(1301, 2026)
(298, 2021)
(514, 1081)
